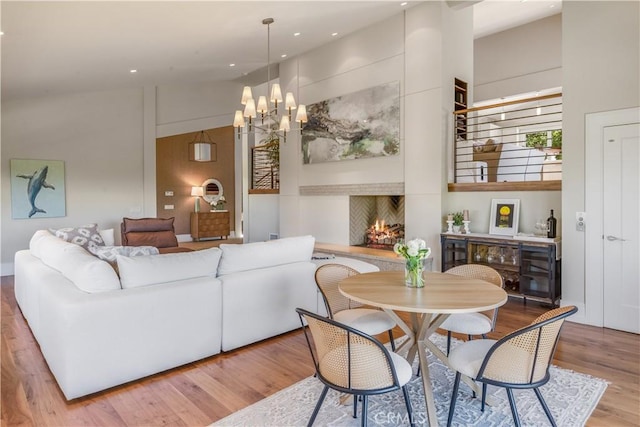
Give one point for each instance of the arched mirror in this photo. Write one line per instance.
(212, 190)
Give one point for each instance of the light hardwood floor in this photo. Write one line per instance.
(205, 391)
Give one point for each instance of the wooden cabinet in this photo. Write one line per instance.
(210, 224)
(530, 266)
(460, 103)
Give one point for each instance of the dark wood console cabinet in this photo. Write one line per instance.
(530, 266)
(209, 224)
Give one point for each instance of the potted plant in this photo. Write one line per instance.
(457, 221)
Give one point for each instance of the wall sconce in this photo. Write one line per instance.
(203, 149)
(197, 192)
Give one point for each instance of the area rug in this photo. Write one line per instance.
(571, 396)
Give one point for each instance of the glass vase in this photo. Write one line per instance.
(413, 269)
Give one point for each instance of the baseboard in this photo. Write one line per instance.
(7, 269)
(580, 316)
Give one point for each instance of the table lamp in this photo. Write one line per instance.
(197, 192)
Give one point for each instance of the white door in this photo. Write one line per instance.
(621, 231)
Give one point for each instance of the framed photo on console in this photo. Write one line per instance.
(504, 217)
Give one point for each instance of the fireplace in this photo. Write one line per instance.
(376, 221)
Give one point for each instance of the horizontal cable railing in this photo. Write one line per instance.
(264, 169)
(514, 141)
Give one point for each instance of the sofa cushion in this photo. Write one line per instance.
(108, 237)
(154, 269)
(251, 256)
(158, 232)
(87, 272)
(86, 236)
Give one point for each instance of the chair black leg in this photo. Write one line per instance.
(448, 342)
(454, 396)
(355, 406)
(545, 407)
(470, 337)
(514, 411)
(407, 402)
(392, 341)
(318, 405)
(365, 402)
(484, 395)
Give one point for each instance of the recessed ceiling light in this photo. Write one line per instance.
(133, 71)
(284, 55)
(404, 3)
(1, 33)
(552, 6)
(334, 34)
(296, 34)
(232, 65)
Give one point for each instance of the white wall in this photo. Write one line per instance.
(601, 54)
(263, 217)
(98, 136)
(519, 60)
(408, 48)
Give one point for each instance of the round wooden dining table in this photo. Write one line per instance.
(443, 294)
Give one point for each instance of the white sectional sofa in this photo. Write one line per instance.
(97, 330)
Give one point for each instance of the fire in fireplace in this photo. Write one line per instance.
(383, 236)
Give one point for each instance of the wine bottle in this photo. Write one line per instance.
(551, 226)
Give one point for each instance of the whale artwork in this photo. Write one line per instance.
(37, 180)
(40, 197)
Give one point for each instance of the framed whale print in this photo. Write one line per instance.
(37, 189)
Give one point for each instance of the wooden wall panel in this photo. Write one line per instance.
(175, 172)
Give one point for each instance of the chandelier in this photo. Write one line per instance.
(270, 119)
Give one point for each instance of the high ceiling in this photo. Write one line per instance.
(53, 47)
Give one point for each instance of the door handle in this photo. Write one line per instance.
(614, 238)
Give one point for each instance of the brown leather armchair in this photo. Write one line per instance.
(158, 232)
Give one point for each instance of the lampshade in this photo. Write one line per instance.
(197, 191)
(250, 108)
(301, 115)
(238, 120)
(202, 148)
(276, 93)
(262, 105)
(246, 95)
(285, 125)
(290, 101)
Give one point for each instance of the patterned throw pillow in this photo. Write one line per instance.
(86, 236)
(109, 253)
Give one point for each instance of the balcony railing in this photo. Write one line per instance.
(265, 177)
(510, 145)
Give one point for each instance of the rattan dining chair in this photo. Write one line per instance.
(350, 361)
(344, 310)
(519, 360)
(473, 323)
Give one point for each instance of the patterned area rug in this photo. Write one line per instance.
(571, 396)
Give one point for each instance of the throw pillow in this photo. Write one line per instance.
(163, 268)
(86, 236)
(109, 253)
(107, 236)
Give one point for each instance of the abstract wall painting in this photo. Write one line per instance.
(357, 125)
(37, 189)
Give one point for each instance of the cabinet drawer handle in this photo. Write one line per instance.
(614, 238)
